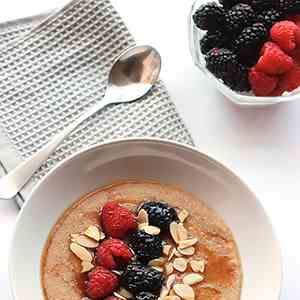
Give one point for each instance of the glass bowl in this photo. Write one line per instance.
(240, 98)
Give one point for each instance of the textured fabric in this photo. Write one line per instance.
(51, 74)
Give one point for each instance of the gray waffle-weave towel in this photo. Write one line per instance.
(52, 68)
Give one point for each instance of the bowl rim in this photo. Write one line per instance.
(147, 140)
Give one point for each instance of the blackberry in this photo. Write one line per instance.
(224, 64)
(270, 17)
(229, 3)
(260, 5)
(239, 17)
(146, 296)
(212, 40)
(160, 214)
(146, 246)
(138, 278)
(289, 7)
(249, 42)
(209, 16)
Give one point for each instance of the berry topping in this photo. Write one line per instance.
(146, 246)
(249, 42)
(146, 296)
(261, 83)
(229, 3)
(160, 214)
(109, 298)
(260, 5)
(290, 7)
(113, 254)
(295, 19)
(270, 17)
(139, 278)
(209, 16)
(239, 17)
(117, 221)
(101, 283)
(286, 34)
(273, 60)
(224, 64)
(212, 40)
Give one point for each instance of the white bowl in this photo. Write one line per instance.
(159, 160)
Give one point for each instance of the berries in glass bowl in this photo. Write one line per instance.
(250, 49)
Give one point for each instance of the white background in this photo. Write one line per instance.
(261, 145)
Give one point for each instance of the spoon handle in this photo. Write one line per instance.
(14, 181)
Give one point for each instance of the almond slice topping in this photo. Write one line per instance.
(187, 251)
(180, 264)
(153, 230)
(192, 278)
(85, 241)
(183, 214)
(198, 265)
(171, 281)
(116, 294)
(184, 291)
(143, 217)
(187, 243)
(157, 262)
(126, 294)
(81, 252)
(174, 297)
(86, 266)
(166, 249)
(94, 233)
(169, 268)
(172, 254)
(174, 232)
(164, 292)
(182, 232)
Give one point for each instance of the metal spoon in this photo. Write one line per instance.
(132, 76)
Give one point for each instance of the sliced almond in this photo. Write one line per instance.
(171, 281)
(172, 254)
(169, 268)
(142, 226)
(126, 294)
(166, 249)
(94, 233)
(174, 297)
(187, 251)
(187, 243)
(116, 294)
(75, 236)
(177, 253)
(180, 264)
(172, 293)
(198, 265)
(183, 214)
(86, 266)
(174, 232)
(192, 278)
(81, 252)
(182, 232)
(184, 291)
(143, 217)
(157, 262)
(159, 269)
(85, 241)
(119, 273)
(153, 230)
(164, 292)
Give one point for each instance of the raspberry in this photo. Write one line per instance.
(117, 221)
(273, 60)
(113, 254)
(209, 16)
(111, 298)
(101, 283)
(290, 81)
(261, 83)
(286, 34)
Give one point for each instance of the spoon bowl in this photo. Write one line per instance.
(135, 73)
(132, 76)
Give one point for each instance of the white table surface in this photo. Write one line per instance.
(261, 145)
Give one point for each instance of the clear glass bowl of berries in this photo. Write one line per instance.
(250, 49)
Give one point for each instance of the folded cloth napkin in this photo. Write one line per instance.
(54, 67)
